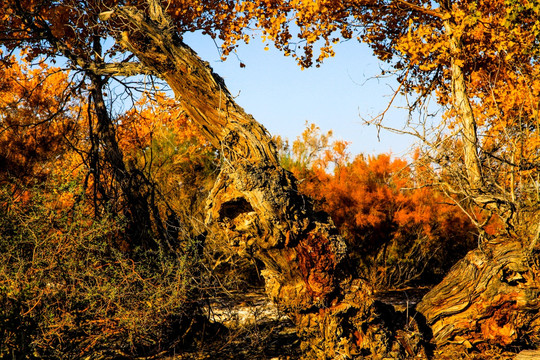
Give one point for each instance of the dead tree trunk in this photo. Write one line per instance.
(256, 205)
(490, 297)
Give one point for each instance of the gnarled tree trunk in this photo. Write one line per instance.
(256, 205)
(491, 297)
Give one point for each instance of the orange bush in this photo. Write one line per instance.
(400, 229)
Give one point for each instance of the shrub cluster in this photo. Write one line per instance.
(400, 230)
(68, 292)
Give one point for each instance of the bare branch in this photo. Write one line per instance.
(421, 9)
(116, 69)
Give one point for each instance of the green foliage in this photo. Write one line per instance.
(67, 291)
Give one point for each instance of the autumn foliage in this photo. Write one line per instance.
(401, 230)
(71, 282)
(36, 117)
(102, 191)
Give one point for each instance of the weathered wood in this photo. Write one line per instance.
(491, 296)
(201, 92)
(528, 355)
(256, 206)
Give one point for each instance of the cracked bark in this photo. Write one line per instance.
(489, 297)
(256, 205)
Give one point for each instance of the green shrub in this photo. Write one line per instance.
(67, 291)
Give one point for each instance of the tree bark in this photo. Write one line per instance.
(464, 110)
(255, 204)
(491, 297)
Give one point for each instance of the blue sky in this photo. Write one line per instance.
(335, 96)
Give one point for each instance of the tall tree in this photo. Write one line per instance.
(254, 202)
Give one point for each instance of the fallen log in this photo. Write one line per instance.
(490, 297)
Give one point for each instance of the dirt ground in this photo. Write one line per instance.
(250, 327)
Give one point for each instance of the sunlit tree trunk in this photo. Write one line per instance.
(255, 204)
(464, 111)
